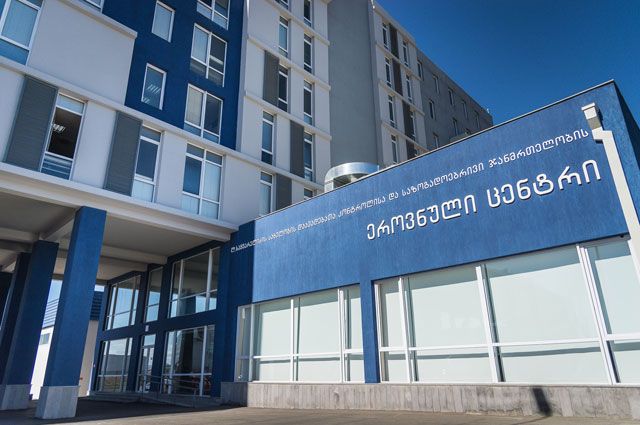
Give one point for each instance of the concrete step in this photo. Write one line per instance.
(173, 399)
(123, 397)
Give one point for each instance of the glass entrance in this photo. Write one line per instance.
(146, 362)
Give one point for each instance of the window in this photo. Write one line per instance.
(420, 71)
(123, 302)
(451, 101)
(17, 21)
(216, 10)
(394, 149)
(65, 129)
(145, 175)
(405, 52)
(387, 71)
(162, 21)
(412, 125)
(145, 376)
(188, 361)
(266, 186)
(44, 339)
(283, 88)
(308, 53)
(201, 186)
(464, 109)
(154, 286)
(283, 37)
(308, 102)
(113, 368)
(432, 109)
(307, 155)
(409, 87)
(436, 83)
(203, 115)
(308, 12)
(267, 138)
(208, 55)
(153, 86)
(284, 3)
(436, 140)
(308, 193)
(456, 129)
(194, 285)
(385, 35)
(326, 328)
(477, 116)
(96, 3)
(392, 110)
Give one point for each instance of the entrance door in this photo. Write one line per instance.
(146, 362)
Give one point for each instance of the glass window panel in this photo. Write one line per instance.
(213, 109)
(190, 204)
(353, 318)
(64, 133)
(267, 135)
(146, 162)
(618, 286)
(308, 155)
(354, 365)
(444, 308)
(142, 190)
(272, 370)
(540, 296)
(120, 320)
(307, 102)
(265, 199)
(194, 107)
(153, 86)
(273, 328)
(394, 367)
(19, 22)
(70, 104)
(391, 314)
(150, 134)
(192, 170)
(458, 365)
(127, 290)
(200, 45)
(209, 209)
(212, 174)
(626, 355)
(318, 323)
(283, 35)
(318, 369)
(208, 354)
(557, 363)
(244, 330)
(153, 294)
(162, 22)
(194, 279)
(218, 49)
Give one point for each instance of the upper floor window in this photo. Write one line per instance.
(284, 3)
(387, 71)
(283, 36)
(477, 121)
(162, 21)
(308, 53)
(96, 3)
(405, 52)
(436, 83)
(411, 131)
(451, 100)
(153, 86)
(392, 110)
(267, 137)
(464, 109)
(266, 193)
(208, 55)
(154, 286)
(436, 140)
(409, 87)
(394, 149)
(307, 156)
(283, 88)
(144, 181)
(123, 300)
(456, 129)
(307, 12)
(201, 185)
(432, 109)
(308, 194)
(420, 71)
(17, 24)
(385, 35)
(203, 114)
(63, 139)
(194, 285)
(308, 102)
(216, 10)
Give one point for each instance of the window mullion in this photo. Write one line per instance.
(487, 317)
(292, 350)
(404, 327)
(342, 333)
(251, 336)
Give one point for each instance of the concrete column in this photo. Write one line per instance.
(16, 378)
(59, 394)
(5, 285)
(369, 332)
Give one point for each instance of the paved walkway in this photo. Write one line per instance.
(104, 413)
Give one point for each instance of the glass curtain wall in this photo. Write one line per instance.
(194, 286)
(312, 338)
(123, 300)
(114, 365)
(188, 361)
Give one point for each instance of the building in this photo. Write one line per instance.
(44, 343)
(389, 102)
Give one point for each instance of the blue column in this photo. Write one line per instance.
(16, 379)
(369, 333)
(5, 285)
(59, 394)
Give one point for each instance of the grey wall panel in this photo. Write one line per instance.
(393, 35)
(30, 132)
(283, 191)
(124, 148)
(270, 82)
(297, 149)
(397, 77)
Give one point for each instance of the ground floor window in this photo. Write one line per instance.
(566, 315)
(188, 361)
(113, 365)
(145, 376)
(311, 338)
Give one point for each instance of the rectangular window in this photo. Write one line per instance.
(385, 35)
(308, 156)
(394, 149)
(308, 193)
(451, 101)
(201, 185)
(308, 12)
(216, 10)
(405, 52)
(464, 109)
(412, 125)
(283, 88)
(162, 21)
(122, 303)
(144, 180)
(266, 186)
(456, 129)
(208, 55)
(44, 339)
(409, 87)
(153, 86)
(284, 3)
(145, 364)
(113, 366)
(96, 3)
(392, 111)
(308, 53)
(65, 130)
(194, 285)
(267, 137)
(308, 102)
(154, 286)
(436, 83)
(283, 37)
(203, 114)
(387, 71)
(188, 361)
(432, 109)
(436, 140)
(17, 24)
(326, 328)
(477, 116)
(420, 71)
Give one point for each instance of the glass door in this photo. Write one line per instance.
(146, 362)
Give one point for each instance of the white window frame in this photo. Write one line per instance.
(270, 185)
(271, 122)
(286, 24)
(212, 13)
(144, 85)
(308, 90)
(308, 42)
(309, 20)
(209, 69)
(200, 197)
(284, 3)
(285, 101)
(147, 306)
(3, 19)
(385, 35)
(96, 3)
(412, 118)
(409, 87)
(173, 14)
(387, 71)
(145, 179)
(309, 140)
(391, 103)
(395, 158)
(203, 106)
(307, 193)
(405, 53)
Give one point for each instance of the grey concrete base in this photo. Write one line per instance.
(57, 402)
(14, 397)
(497, 399)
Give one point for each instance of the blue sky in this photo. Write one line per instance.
(516, 56)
